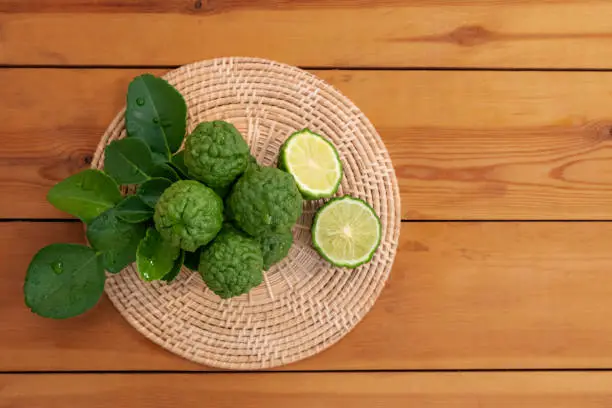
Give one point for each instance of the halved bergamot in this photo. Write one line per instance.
(346, 231)
(314, 163)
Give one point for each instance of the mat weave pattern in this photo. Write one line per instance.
(304, 305)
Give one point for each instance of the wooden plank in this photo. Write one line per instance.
(465, 145)
(304, 390)
(461, 296)
(52, 120)
(389, 33)
(186, 6)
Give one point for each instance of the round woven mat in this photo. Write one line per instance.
(304, 305)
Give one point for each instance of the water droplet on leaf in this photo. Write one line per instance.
(140, 101)
(58, 267)
(156, 121)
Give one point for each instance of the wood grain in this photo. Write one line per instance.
(465, 145)
(506, 295)
(340, 33)
(305, 390)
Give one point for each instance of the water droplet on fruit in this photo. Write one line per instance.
(156, 121)
(140, 101)
(58, 267)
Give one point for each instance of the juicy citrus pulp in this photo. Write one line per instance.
(346, 232)
(313, 162)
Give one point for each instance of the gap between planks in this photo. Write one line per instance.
(317, 68)
(306, 371)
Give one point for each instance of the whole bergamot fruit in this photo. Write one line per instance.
(265, 200)
(275, 246)
(232, 264)
(188, 214)
(216, 154)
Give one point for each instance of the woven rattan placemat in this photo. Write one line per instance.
(304, 305)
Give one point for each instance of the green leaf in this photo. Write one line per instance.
(192, 259)
(133, 210)
(178, 162)
(115, 239)
(63, 280)
(176, 268)
(85, 195)
(128, 161)
(165, 171)
(159, 158)
(150, 191)
(155, 258)
(156, 113)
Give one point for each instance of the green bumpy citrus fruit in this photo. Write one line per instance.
(188, 214)
(265, 200)
(216, 154)
(275, 246)
(232, 264)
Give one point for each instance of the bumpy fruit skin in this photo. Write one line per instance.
(265, 200)
(275, 246)
(252, 164)
(232, 264)
(188, 214)
(216, 154)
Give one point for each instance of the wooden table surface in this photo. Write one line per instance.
(498, 118)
